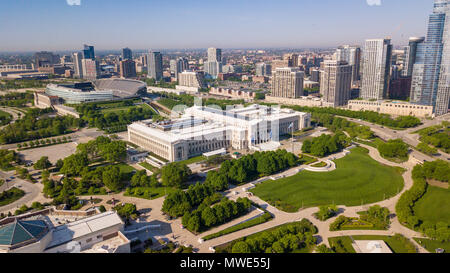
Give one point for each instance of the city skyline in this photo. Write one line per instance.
(288, 23)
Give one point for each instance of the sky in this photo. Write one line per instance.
(33, 25)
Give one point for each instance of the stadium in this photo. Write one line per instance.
(99, 90)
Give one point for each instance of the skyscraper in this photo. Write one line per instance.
(77, 64)
(191, 79)
(214, 54)
(376, 69)
(335, 82)
(88, 52)
(351, 55)
(45, 58)
(155, 66)
(127, 54)
(431, 79)
(213, 66)
(287, 82)
(263, 69)
(411, 53)
(179, 65)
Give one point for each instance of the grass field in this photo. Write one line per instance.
(396, 244)
(358, 179)
(124, 108)
(149, 167)
(193, 160)
(432, 245)
(434, 206)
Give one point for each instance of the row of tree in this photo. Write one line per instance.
(205, 217)
(15, 99)
(325, 144)
(336, 124)
(34, 125)
(112, 122)
(394, 148)
(373, 117)
(437, 136)
(439, 231)
(284, 239)
(259, 164)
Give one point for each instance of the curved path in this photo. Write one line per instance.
(324, 233)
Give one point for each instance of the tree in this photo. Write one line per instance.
(112, 178)
(42, 164)
(208, 217)
(241, 247)
(175, 174)
(74, 164)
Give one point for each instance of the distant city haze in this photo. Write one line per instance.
(140, 24)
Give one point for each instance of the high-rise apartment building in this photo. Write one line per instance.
(376, 69)
(430, 77)
(127, 54)
(214, 54)
(263, 69)
(287, 82)
(179, 65)
(191, 79)
(351, 55)
(91, 69)
(336, 82)
(77, 64)
(410, 55)
(155, 66)
(128, 69)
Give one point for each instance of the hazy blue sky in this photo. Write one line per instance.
(112, 24)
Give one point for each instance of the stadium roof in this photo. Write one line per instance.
(123, 88)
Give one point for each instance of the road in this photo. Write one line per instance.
(407, 135)
(32, 192)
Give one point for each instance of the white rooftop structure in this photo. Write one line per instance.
(371, 246)
(72, 231)
(204, 129)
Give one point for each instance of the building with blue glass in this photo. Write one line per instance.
(430, 77)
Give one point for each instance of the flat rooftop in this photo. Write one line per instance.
(70, 231)
(371, 246)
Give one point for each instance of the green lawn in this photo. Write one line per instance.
(432, 245)
(341, 244)
(155, 192)
(193, 160)
(149, 167)
(10, 196)
(434, 206)
(124, 108)
(359, 179)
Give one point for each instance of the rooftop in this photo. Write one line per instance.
(20, 231)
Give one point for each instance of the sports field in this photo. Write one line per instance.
(358, 179)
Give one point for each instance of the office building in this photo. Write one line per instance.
(336, 82)
(88, 52)
(351, 55)
(128, 69)
(410, 55)
(430, 77)
(287, 82)
(376, 69)
(45, 58)
(213, 68)
(179, 65)
(155, 66)
(315, 75)
(127, 54)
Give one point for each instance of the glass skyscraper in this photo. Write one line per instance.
(430, 80)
